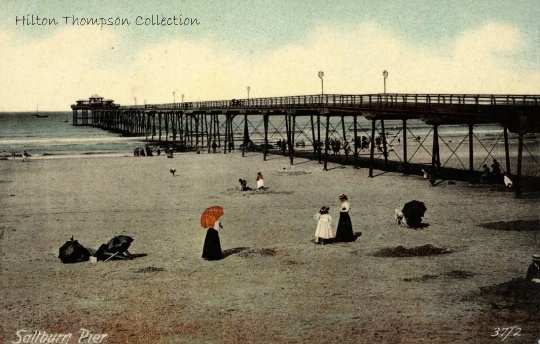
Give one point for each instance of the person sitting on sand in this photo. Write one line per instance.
(533, 272)
(507, 181)
(260, 181)
(243, 184)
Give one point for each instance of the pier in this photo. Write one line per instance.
(358, 122)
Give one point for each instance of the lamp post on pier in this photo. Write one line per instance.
(174, 98)
(385, 75)
(321, 74)
(135, 100)
(248, 89)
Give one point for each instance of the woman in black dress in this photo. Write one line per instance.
(212, 245)
(344, 232)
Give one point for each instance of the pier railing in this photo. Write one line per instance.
(458, 103)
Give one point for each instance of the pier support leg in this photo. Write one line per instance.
(246, 135)
(319, 147)
(517, 182)
(313, 135)
(435, 159)
(471, 154)
(226, 140)
(292, 126)
(355, 139)
(372, 148)
(326, 143)
(385, 148)
(265, 118)
(405, 158)
(344, 138)
(507, 150)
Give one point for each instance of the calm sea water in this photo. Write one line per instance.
(55, 135)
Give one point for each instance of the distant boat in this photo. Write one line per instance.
(38, 115)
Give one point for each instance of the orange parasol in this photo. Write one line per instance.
(210, 216)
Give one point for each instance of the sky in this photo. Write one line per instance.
(276, 48)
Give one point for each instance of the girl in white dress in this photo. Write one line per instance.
(324, 230)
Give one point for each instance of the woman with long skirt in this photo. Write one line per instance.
(344, 232)
(212, 245)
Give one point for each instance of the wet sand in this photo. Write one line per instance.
(274, 285)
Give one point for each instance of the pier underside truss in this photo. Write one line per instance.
(440, 136)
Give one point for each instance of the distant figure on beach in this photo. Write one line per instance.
(212, 245)
(260, 181)
(214, 146)
(149, 151)
(323, 232)
(243, 185)
(484, 178)
(344, 231)
(173, 171)
(347, 148)
(158, 151)
(533, 272)
(496, 171)
(25, 156)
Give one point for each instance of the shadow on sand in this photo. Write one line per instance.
(516, 225)
(232, 251)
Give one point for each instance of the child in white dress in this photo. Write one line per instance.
(324, 231)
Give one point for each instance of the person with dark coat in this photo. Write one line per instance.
(243, 184)
(533, 272)
(212, 245)
(344, 232)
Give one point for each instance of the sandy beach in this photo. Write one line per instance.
(274, 285)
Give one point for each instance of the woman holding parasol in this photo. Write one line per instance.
(212, 245)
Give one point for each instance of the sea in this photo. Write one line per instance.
(55, 135)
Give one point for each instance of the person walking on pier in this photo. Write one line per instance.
(344, 231)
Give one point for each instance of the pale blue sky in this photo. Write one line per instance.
(258, 43)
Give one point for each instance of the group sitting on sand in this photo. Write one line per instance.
(260, 183)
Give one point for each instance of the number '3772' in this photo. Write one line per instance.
(505, 332)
